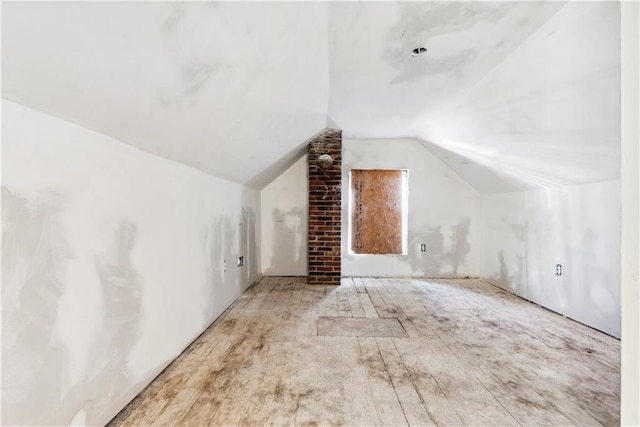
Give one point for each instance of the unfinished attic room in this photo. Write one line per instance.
(320, 213)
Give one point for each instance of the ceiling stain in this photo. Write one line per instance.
(195, 75)
(176, 17)
(453, 65)
(421, 22)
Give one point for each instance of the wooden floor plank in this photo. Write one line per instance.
(414, 409)
(367, 305)
(360, 288)
(473, 355)
(356, 306)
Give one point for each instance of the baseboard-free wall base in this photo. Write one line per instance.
(413, 277)
(283, 275)
(134, 402)
(382, 277)
(510, 292)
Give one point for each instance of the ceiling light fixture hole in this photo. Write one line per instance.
(418, 51)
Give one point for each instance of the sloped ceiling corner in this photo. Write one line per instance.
(379, 89)
(481, 177)
(511, 95)
(549, 114)
(227, 88)
(276, 169)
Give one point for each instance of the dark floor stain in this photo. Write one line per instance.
(279, 390)
(530, 404)
(228, 324)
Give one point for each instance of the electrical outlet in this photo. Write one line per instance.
(240, 261)
(558, 269)
(224, 265)
(423, 248)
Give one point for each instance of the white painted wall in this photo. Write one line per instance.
(444, 212)
(284, 211)
(525, 234)
(630, 66)
(112, 262)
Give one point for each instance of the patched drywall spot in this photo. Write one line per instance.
(35, 253)
(461, 246)
(249, 244)
(596, 276)
(215, 268)
(83, 416)
(106, 373)
(226, 240)
(289, 243)
(519, 279)
(121, 297)
(503, 278)
(195, 75)
(516, 280)
(441, 258)
(176, 17)
(120, 281)
(229, 231)
(192, 78)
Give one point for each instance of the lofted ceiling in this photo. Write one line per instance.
(228, 88)
(511, 95)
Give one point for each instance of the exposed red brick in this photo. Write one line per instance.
(325, 199)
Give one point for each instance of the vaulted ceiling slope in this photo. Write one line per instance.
(229, 88)
(510, 94)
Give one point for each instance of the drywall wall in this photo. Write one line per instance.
(112, 262)
(284, 213)
(175, 76)
(527, 233)
(444, 212)
(630, 105)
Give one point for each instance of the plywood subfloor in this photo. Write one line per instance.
(472, 355)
